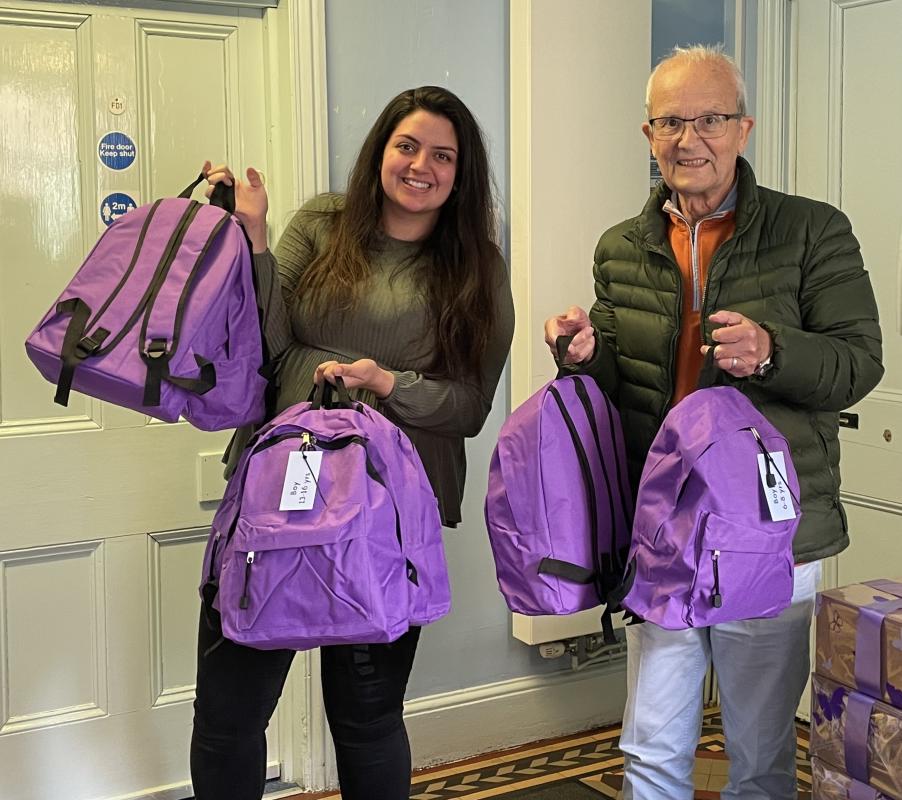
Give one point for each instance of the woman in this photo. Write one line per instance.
(397, 287)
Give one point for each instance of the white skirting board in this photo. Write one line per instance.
(467, 722)
(483, 719)
(180, 791)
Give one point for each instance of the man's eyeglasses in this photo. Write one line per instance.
(707, 126)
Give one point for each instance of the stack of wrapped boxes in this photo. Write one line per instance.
(856, 693)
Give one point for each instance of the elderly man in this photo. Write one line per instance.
(776, 285)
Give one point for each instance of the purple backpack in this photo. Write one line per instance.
(706, 548)
(161, 318)
(559, 508)
(362, 564)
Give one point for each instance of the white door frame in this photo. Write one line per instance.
(778, 96)
(776, 157)
(775, 129)
(550, 232)
(297, 120)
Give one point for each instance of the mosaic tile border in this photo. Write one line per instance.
(591, 760)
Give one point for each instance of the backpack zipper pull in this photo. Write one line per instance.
(245, 599)
(768, 475)
(716, 599)
(213, 548)
(308, 442)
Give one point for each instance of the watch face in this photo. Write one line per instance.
(762, 369)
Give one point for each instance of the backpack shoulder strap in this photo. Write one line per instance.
(168, 296)
(78, 343)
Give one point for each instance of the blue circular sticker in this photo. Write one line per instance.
(117, 151)
(114, 206)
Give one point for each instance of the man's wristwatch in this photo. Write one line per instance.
(764, 367)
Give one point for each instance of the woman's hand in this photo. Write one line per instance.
(251, 202)
(362, 374)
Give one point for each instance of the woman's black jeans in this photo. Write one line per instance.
(237, 691)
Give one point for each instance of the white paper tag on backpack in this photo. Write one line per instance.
(778, 497)
(299, 489)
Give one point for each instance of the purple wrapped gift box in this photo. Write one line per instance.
(859, 638)
(857, 735)
(831, 784)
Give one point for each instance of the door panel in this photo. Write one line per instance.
(102, 530)
(175, 114)
(848, 108)
(850, 103)
(42, 62)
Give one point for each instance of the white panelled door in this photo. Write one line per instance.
(101, 529)
(849, 114)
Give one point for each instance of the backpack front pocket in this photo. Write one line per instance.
(741, 573)
(294, 577)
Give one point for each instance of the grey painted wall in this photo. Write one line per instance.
(375, 49)
(682, 22)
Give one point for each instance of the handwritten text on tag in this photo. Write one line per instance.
(299, 489)
(778, 496)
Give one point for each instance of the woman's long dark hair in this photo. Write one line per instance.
(461, 281)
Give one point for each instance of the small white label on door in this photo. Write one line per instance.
(778, 496)
(299, 489)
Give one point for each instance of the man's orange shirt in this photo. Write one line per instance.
(709, 234)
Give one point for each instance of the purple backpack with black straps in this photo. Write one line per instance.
(328, 533)
(161, 318)
(559, 508)
(716, 514)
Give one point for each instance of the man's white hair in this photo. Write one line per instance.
(701, 54)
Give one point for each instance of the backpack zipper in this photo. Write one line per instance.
(310, 441)
(716, 598)
(769, 476)
(245, 599)
(769, 462)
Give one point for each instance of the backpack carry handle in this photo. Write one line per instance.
(223, 196)
(322, 395)
(710, 374)
(561, 344)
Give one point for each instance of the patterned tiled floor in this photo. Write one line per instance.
(584, 766)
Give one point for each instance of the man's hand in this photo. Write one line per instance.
(573, 322)
(741, 343)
